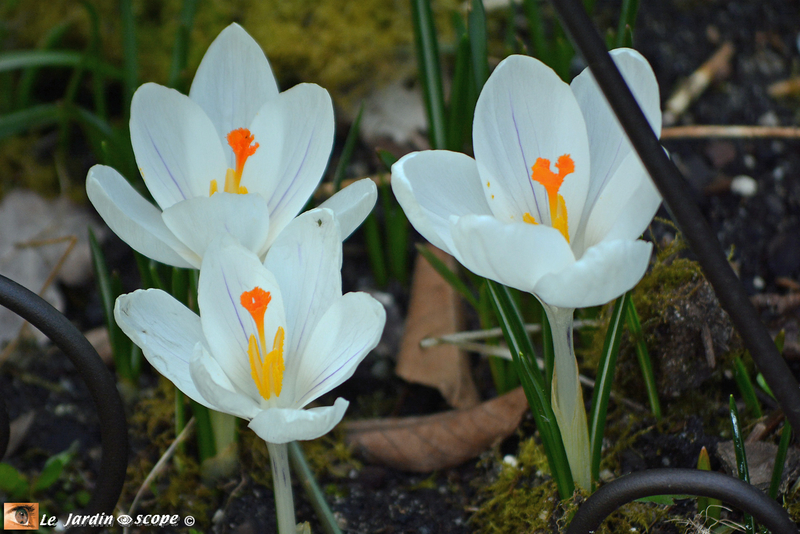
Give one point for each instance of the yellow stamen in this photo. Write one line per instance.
(528, 218)
(552, 183)
(243, 144)
(267, 372)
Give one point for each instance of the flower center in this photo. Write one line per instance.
(265, 367)
(552, 183)
(241, 141)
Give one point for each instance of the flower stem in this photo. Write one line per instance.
(282, 483)
(567, 396)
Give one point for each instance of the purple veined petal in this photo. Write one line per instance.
(135, 220)
(282, 425)
(166, 331)
(234, 80)
(176, 146)
(343, 337)
(213, 384)
(295, 136)
(525, 112)
(228, 271)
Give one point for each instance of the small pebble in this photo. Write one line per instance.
(770, 118)
(749, 161)
(508, 459)
(744, 186)
(759, 283)
(778, 173)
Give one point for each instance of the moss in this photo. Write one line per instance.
(22, 166)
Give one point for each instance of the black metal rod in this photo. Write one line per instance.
(680, 481)
(684, 211)
(101, 384)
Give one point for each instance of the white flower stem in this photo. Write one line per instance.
(282, 483)
(567, 396)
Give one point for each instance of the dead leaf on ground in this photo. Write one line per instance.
(434, 311)
(427, 443)
(18, 431)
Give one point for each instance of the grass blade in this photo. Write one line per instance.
(387, 158)
(28, 78)
(780, 459)
(23, 59)
(460, 109)
(372, 238)
(29, 118)
(707, 506)
(347, 151)
(627, 21)
(130, 73)
(533, 383)
(541, 48)
(479, 50)
(180, 50)
(605, 377)
(643, 356)
(430, 73)
(449, 276)
(396, 235)
(741, 458)
(313, 491)
(548, 352)
(746, 388)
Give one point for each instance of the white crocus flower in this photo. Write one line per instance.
(270, 338)
(552, 204)
(234, 156)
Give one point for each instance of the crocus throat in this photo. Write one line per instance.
(265, 367)
(552, 183)
(241, 141)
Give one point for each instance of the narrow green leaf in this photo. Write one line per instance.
(387, 158)
(204, 432)
(130, 75)
(746, 388)
(347, 151)
(460, 110)
(22, 59)
(479, 50)
(643, 356)
(533, 383)
(449, 276)
(28, 78)
(627, 21)
(94, 51)
(12, 482)
(28, 119)
(180, 285)
(741, 458)
(780, 460)
(548, 351)
(143, 264)
(372, 238)
(315, 495)
(430, 72)
(664, 500)
(707, 506)
(605, 377)
(180, 49)
(396, 235)
(541, 49)
(52, 469)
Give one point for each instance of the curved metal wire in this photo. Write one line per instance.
(101, 384)
(680, 481)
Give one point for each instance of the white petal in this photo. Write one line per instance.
(526, 112)
(608, 143)
(135, 220)
(228, 270)
(282, 425)
(214, 385)
(167, 333)
(434, 185)
(514, 254)
(352, 204)
(306, 261)
(342, 339)
(627, 204)
(197, 221)
(233, 81)
(295, 136)
(605, 271)
(175, 144)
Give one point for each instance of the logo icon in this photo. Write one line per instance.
(21, 516)
(124, 520)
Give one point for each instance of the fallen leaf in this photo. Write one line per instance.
(18, 431)
(433, 310)
(427, 443)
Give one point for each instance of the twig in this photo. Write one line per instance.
(730, 132)
(473, 335)
(778, 303)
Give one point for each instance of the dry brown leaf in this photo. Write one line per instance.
(434, 311)
(438, 441)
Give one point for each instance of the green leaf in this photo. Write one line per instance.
(541, 48)
(605, 377)
(449, 276)
(460, 109)
(746, 388)
(387, 158)
(538, 397)
(23, 59)
(180, 49)
(347, 151)
(707, 506)
(313, 492)
(627, 21)
(479, 50)
(12, 482)
(664, 500)
(780, 459)
(29, 118)
(430, 72)
(53, 467)
(372, 238)
(741, 458)
(396, 234)
(130, 76)
(643, 356)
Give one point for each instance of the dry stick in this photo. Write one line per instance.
(730, 132)
(473, 335)
(159, 467)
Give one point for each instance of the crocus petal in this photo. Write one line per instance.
(197, 221)
(608, 144)
(352, 204)
(214, 385)
(514, 254)
(342, 339)
(228, 270)
(434, 185)
(306, 261)
(605, 271)
(626, 204)
(135, 220)
(167, 333)
(233, 81)
(526, 112)
(282, 425)
(175, 144)
(295, 136)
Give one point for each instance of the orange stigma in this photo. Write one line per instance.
(243, 144)
(552, 183)
(266, 368)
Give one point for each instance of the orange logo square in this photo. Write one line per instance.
(20, 516)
